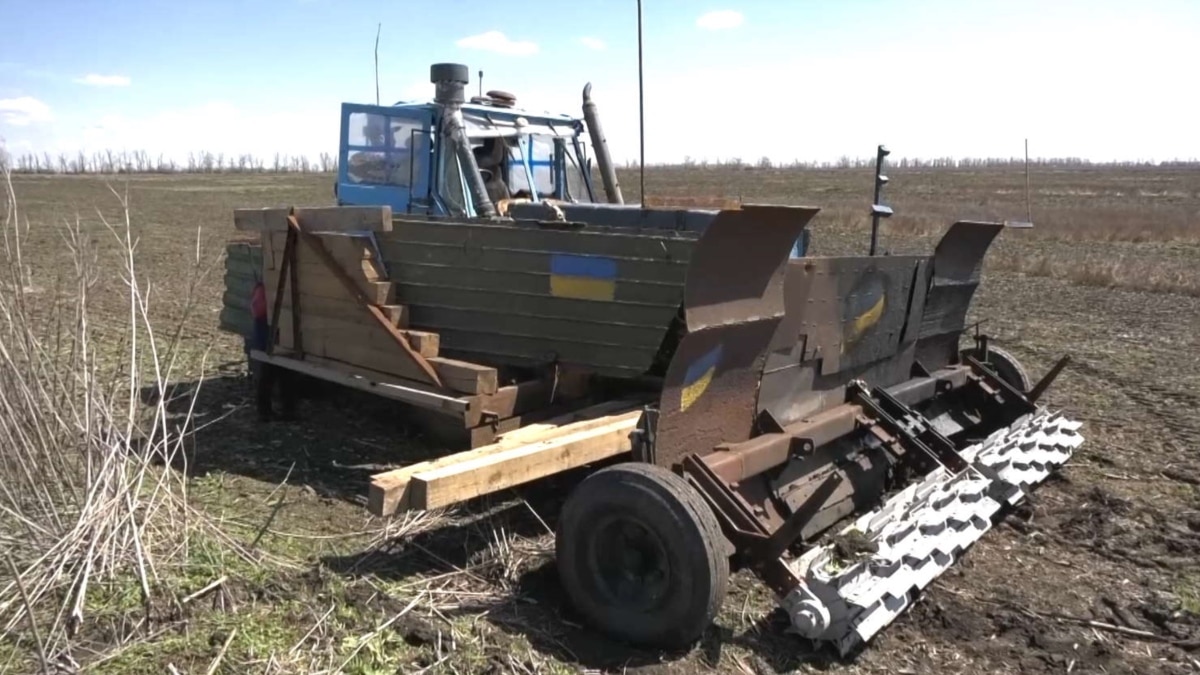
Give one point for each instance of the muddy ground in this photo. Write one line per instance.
(1097, 574)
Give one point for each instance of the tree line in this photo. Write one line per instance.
(112, 162)
(109, 161)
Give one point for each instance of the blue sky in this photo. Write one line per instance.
(735, 78)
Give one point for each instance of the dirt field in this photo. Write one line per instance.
(1108, 275)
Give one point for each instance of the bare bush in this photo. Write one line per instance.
(86, 491)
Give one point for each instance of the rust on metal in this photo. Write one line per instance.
(957, 264)
(733, 302)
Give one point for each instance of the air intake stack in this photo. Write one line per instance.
(450, 83)
(450, 92)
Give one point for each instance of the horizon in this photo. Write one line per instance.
(930, 79)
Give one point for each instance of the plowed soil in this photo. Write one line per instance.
(1098, 573)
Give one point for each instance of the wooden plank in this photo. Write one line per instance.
(414, 394)
(425, 370)
(579, 420)
(261, 220)
(510, 466)
(354, 254)
(357, 331)
(468, 378)
(449, 430)
(344, 218)
(362, 346)
(517, 465)
(323, 283)
(343, 309)
(425, 344)
(527, 396)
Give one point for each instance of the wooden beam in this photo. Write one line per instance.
(341, 309)
(449, 430)
(324, 370)
(495, 467)
(321, 282)
(468, 378)
(361, 346)
(425, 344)
(344, 218)
(261, 220)
(426, 369)
(358, 331)
(579, 420)
(516, 465)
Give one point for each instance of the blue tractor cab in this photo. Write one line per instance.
(426, 157)
(482, 157)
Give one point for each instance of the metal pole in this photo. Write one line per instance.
(641, 113)
(1028, 203)
(378, 29)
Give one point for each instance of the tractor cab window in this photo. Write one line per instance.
(379, 149)
(573, 170)
(532, 157)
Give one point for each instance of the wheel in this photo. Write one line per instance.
(641, 555)
(1008, 368)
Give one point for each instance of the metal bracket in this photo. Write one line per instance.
(1008, 395)
(644, 435)
(1048, 379)
(910, 428)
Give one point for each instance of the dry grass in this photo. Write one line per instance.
(84, 499)
(310, 584)
(1127, 273)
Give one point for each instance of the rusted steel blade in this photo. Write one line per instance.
(957, 263)
(733, 302)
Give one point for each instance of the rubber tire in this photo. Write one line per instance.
(687, 529)
(1009, 369)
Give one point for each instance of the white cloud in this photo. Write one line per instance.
(94, 80)
(495, 41)
(23, 111)
(720, 20)
(592, 43)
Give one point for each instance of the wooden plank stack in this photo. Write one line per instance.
(349, 320)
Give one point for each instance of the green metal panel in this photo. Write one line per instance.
(243, 265)
(600, 298)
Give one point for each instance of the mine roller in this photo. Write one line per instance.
(830, 423)
(802, 393)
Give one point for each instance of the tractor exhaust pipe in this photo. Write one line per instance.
(608, 174)
(450, 84)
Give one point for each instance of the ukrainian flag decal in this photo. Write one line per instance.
(698, 376)
(582, 277)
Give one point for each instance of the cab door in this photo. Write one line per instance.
(385, 157)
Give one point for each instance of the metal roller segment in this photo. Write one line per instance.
(920, 532)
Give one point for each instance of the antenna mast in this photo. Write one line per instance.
(641, 113)
(1028, 203)
(378, 28)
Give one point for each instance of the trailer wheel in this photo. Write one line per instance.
(642, 556)
(1008, 368)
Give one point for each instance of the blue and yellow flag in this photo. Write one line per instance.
(698, 376)
(582, 277)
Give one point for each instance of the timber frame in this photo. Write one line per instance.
(334, 316)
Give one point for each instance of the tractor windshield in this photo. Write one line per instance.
(528, 160)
